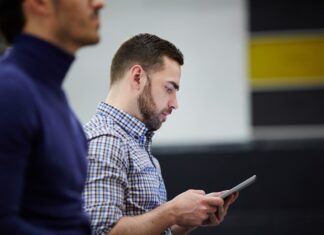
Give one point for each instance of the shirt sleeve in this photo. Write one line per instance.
(106, 182)
(17, 122)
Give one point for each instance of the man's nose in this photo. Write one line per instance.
(174, 103)
(98, 4)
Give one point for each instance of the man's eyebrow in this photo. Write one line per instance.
(175, 85)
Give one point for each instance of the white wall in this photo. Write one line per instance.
(212, 34)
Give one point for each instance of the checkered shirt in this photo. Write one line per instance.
(124, 179)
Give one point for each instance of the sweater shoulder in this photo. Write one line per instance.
(15, 83)
(16, 92)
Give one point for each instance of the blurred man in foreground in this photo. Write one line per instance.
(42, 145)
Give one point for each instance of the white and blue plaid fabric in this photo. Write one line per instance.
(124, 179)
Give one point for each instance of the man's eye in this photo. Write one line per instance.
(169, 90)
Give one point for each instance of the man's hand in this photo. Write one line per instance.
(218, 217)
(193, 207)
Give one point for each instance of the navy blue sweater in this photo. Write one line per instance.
(42, 145)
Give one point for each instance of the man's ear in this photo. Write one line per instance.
(137, 77)
(38, 7)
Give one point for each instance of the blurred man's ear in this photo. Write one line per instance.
(38, 7)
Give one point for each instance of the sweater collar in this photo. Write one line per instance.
(42, 60)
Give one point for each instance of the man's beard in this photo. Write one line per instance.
(148, 109)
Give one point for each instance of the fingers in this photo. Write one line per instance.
(212, 220)
(236, 195)
(221, 213)
(195, 208)
(228, 202)
(231, 199)
(217, 207)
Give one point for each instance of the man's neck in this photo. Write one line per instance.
(124, 103)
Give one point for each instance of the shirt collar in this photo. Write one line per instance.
(130, 124)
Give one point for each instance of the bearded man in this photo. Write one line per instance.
(125, 193)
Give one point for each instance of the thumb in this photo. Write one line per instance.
(216, 194)
(201, 192)
(214, 201)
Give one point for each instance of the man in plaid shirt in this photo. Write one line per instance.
(125, 192)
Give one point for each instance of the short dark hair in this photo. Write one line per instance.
(12, 19)
(146, 50)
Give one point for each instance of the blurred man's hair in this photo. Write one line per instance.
(11, 19)
(146, 50)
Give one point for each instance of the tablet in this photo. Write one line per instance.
(239, 187)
